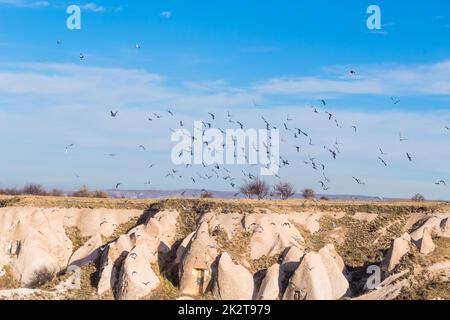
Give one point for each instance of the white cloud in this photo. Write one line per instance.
(47, 106)
(25, 3)
(426, 79)
(93, 7)
(166, 14)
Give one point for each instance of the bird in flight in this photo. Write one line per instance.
(142, 147)
(408, 156)
(82, 56)
(334, 154)
(137, 46)
(382, 153)
(447, 128)
(118, 185)
(440, 182)
(402, 138)
(69, 147)
(358, 181)
(352, 73)
(330, 115)
(113, 114)
(170, 112)
(213, 116)
(395, 101)
(324, 186)
(323, 102)
(355, 128)
(382, 161)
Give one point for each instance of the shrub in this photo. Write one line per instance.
(56, 193)
(41, 277)
(10, 192)
(309, 194)
(284, 189)
(206, 195)
(34, 189)
(85, 193)
(100, 194)
(418, 198)
(257, 187)
(323, 198)
(82, 193)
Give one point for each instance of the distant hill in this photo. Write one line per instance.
(195, 193)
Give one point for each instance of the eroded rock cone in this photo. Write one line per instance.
(291, 259)
(399, 248)
(88, 253)
(426, 244)
(233, 281)
(319, 277)
(195, 267)
(271, 285)
(271, 234)
(137, 279)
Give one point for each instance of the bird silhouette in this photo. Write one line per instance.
(395, 101)
(358, 181)
(409, 156)
(69, 147)
(382, 161)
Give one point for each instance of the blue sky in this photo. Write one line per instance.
(222, 56)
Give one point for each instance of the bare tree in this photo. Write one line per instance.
(206, 195)
(309, 194)
(257, 187)
(284, 189)
(418, 198)
(34, 189)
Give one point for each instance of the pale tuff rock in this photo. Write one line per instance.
(109, 262)
(426, 243)
(231, 223)
(291, 259)
(182, 247)
(389, 289)
(445, 228)
(88, 253)
(32, 243)
(93, 221)
(438, 224)
(319, 277)
(270, 234)
(137, 278)
(271, 285)
(163, 226)
(195, 268)
(156, 235)
(399, 248)
(308, 220)
(233, 281)
(365, 217)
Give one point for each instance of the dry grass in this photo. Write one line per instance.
(122, 229)
(7, 281)
(238, 247)
(74, 234)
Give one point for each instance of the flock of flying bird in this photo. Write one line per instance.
(217, 171)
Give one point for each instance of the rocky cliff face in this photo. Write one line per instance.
(222, 250)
